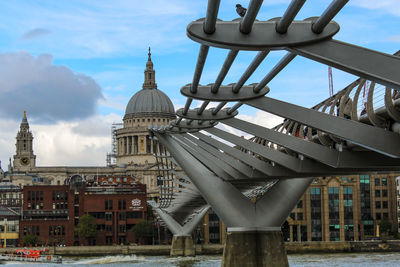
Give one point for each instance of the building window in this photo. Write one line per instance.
(300, 204)
(384, 181)
(377, 204)
(377, 193)
(348, 213)
(316, 222)
(385, 204)
(300, 216)
(315, 191)
(334, 223)
(384, 193)
(134, 215)
(122, 216)
(364, 179)
(292, 215)
(377, 181)
(378, 216)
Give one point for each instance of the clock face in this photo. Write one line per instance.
(24, 161)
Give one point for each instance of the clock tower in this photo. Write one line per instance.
(24, 159)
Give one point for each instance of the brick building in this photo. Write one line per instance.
(52, 212)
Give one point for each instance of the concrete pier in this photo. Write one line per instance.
(256, 249)
(182, 246)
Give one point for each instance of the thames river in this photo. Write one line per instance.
(303, 260)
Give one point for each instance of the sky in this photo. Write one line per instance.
(74, 65)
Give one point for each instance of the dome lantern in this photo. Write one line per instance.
(149, 102)
(149, 74)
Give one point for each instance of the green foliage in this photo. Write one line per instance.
(87, 227)
(397, 236)
(150, 212)
(143, 229)
(385, 226)
(30, 239)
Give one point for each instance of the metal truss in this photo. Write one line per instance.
(338, 136)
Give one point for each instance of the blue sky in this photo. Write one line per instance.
(75, 64)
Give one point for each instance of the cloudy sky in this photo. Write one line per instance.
(73, 65)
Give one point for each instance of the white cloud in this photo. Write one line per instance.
(82, 143)
(86, 29)
(262, 118)
(35, 33)
(388, 6)
(394, 38)
(49, 92)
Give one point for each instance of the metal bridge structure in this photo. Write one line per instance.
(344, 134)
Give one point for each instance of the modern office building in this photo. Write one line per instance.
(333, 209)
(10, 212)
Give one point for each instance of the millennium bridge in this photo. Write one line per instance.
(253, 184)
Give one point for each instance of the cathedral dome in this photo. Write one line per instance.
(149, 102)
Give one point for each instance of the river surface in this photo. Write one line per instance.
(303, 260)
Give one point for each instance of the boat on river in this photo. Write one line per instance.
(30, 255)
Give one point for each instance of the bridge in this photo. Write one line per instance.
(253, 184)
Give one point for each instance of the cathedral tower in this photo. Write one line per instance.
(24, 159)
(149, 106)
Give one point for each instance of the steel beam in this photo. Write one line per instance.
(235, 213)
(247, 22)
(245, 169)
(328, 15)
(366, 63)
(285, 160)
(176, 228)
(258, 164)
(211, 16)
(214, 163)
(361, 134)
(280, 200)
(290, 13)
(323, 154)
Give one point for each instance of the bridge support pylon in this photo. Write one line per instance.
(254, 228)
(182, 241)
(182, 245)
(254, 248)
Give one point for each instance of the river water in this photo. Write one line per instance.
(303, 260)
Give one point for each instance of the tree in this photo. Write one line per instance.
(30, 239)
(143, 230)
(385, 226)
(87, 227)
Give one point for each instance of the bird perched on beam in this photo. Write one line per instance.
(241, 10)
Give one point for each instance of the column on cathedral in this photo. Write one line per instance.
(129, 145)
(135, 144)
